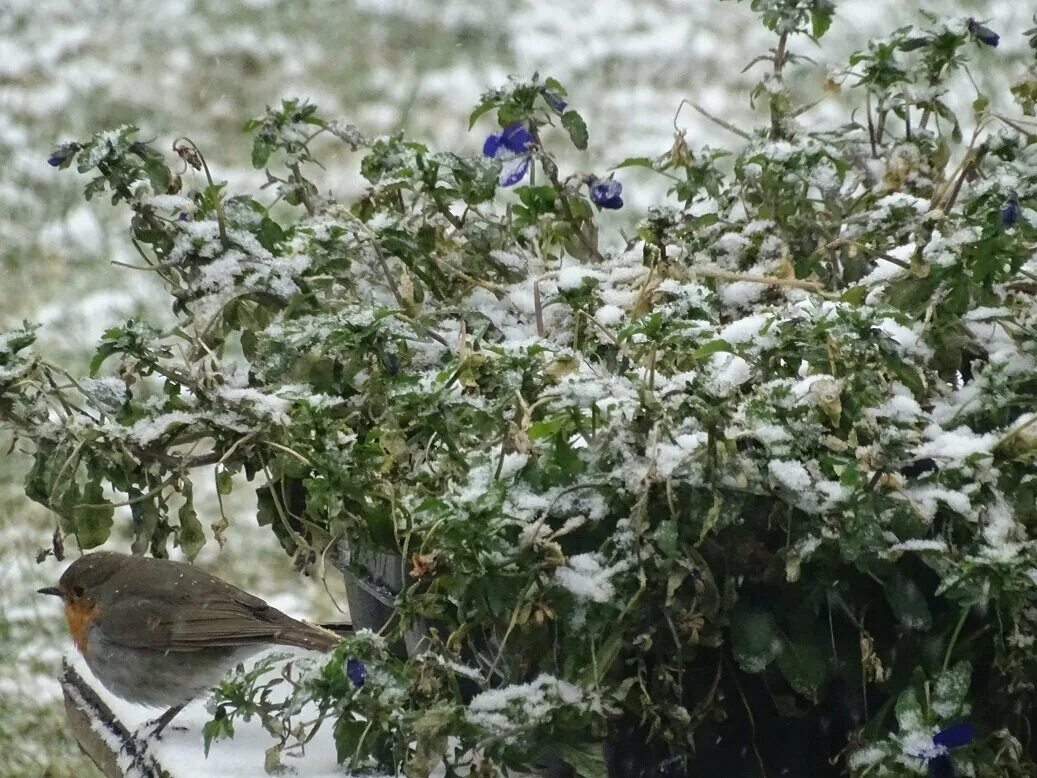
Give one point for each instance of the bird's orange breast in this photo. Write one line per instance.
(80, 616)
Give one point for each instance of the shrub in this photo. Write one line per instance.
(757, 479)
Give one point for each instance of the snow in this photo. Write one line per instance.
(609, 315)
(899, 408)
(727, 372)
(586, 577)
(747, 330)
(181, 751)
(920, 544)
(500, 710)
(573, 276)
(955, 446)
(908, 339)
(1001, 534)
(271, 406)
(148, 430)
(926, 499)
(790, 474)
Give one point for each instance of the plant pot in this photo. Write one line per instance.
(374, 579)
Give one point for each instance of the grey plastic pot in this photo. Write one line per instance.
(374, 579)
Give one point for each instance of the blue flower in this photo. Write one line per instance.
(983, 34)
(1010, 211)
(513, 146)
(63, 154)
(606, 193)
(937, 756)
(355, 671)
(555, 101)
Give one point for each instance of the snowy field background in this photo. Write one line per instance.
(201, 67)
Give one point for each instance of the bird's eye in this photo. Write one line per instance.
(77, 591)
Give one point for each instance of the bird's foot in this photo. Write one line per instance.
(153, 729)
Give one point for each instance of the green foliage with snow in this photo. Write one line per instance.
(761, 470)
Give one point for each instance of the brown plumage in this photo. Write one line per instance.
(161, 633)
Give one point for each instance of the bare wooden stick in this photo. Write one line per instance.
(89, 717)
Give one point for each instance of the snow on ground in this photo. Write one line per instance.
(180, 749)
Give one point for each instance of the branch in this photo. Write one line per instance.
(93, 724)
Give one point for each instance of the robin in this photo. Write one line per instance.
(160, 633)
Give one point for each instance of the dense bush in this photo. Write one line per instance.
(751, 489)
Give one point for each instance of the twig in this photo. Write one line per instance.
(92, 722)
(725, 124)
(795, 283)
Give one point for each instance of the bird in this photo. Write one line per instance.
(160, 633)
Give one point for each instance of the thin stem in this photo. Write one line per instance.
(954, 638)
(221, 220)
(721, 122)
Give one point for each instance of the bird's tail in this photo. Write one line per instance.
(315, 638)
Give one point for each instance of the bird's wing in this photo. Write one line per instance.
(192, 610)
(206, 624)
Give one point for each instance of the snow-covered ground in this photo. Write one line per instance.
(200, 67)
(180, 750)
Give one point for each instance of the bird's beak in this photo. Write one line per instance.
(50, 590)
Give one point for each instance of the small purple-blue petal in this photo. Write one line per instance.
(355, 671)
(1010, 212)
(955, 735)
(492, 145)
(555, 101)
(514, 174)
(983, 33)
(607, 193)
(941, 767)
(63, 154)
(516, 138)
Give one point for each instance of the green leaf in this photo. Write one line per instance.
(93, 519)
(146, 518)
(908, 602)
(261, 151)
(855, 294)
(821, 18)
(713, 347)
(755, 640)
(804, 663)
(269, 233)
(483, 108)
(224, 482)
(636, 162)
(103, 352)
(980, 106)
(553, 85)
(576, 128)
(158, 173)
(909, 710)
(546, 428)
(950, 691)
(538, 199)
(348, 733)
(191, 538)
(587, 759)
(219, 727)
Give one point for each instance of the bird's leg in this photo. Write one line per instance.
(161, 722)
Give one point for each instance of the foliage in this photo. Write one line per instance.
(764, 470)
